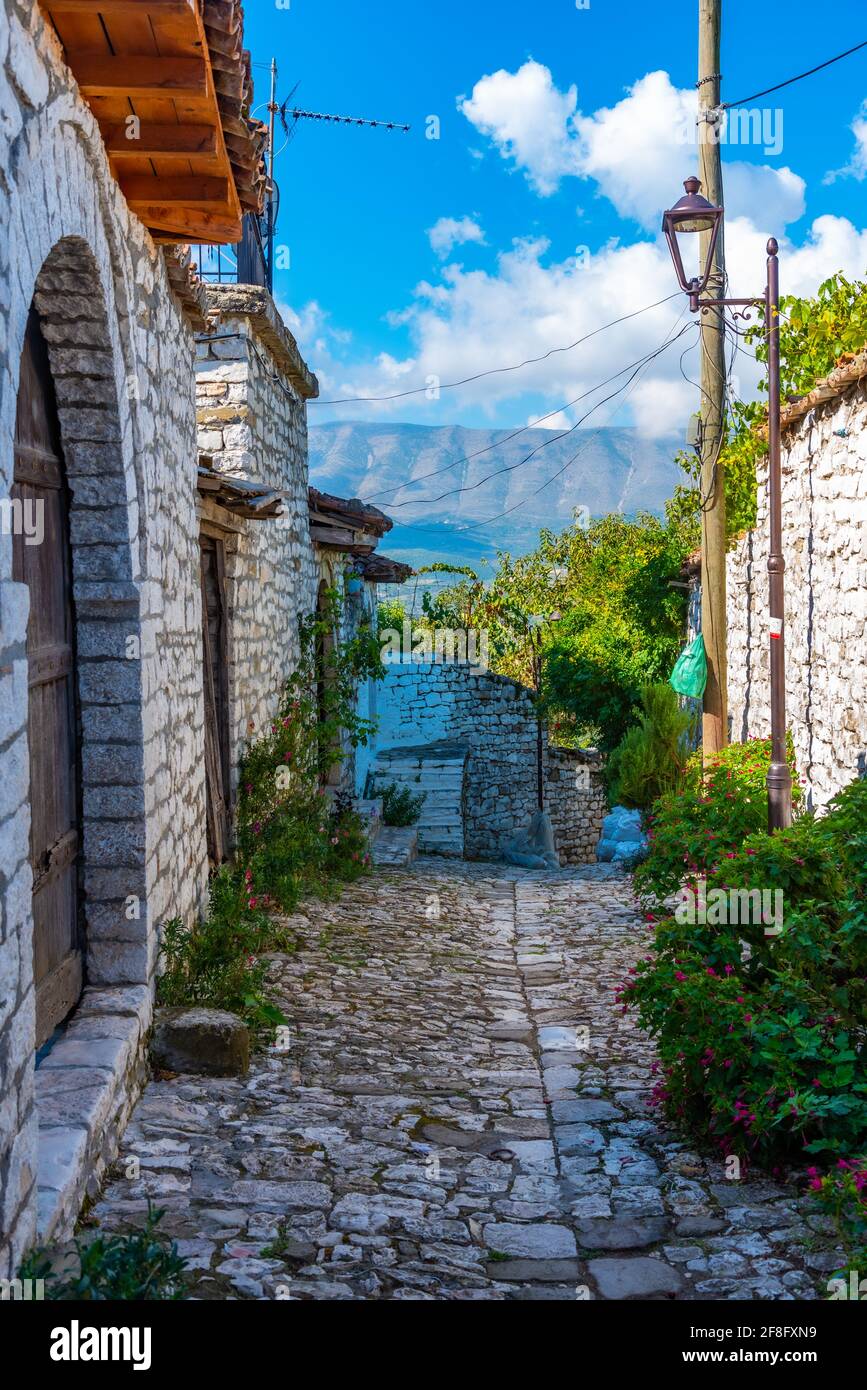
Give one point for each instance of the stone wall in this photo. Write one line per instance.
(824, 475)
(421, 703)
(121, 354)
(251, 389)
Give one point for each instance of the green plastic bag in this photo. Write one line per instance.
(689, 676)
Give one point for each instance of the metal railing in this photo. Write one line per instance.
(243, 263)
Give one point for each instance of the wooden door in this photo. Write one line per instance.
(39, 485)
(216, 683)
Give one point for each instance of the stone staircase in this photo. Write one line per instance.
(391, 846)
(436, 771)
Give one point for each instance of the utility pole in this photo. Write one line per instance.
(713, 378)
(272, 109)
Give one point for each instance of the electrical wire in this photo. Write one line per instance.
(496, 371)
(419, 501)
(497, 444)
(667, 343)
(744, 101)
(642, 362)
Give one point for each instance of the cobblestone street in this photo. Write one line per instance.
(461, 1112)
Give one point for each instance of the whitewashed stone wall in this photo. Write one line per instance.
(824, 468)
(251, 388)
(420, 703)
(121, 354)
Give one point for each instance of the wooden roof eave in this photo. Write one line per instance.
(255, 501)
(150, 59)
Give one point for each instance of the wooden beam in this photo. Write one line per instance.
(194, 225)
(137, 76)
(184, 190)
(161, 140)
(107, 7)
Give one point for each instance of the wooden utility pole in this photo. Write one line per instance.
(713, 378)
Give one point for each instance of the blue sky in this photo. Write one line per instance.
(558, 193)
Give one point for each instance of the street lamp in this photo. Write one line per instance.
(693, 213)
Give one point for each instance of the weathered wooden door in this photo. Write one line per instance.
(216, 684)
(44, 565)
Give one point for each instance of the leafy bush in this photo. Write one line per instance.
(761, 1035)
(814, 335)
(399, 806)
(142, 1267)
(213, 964)
(650, 759)
(692, 829)
(842, 1194)
(615, 623)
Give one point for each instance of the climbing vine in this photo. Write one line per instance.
(815, 335)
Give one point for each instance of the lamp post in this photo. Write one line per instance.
(693, 213)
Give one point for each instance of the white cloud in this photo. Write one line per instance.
(463, 322)
(637, 151)
(449, 232)
(857, 165)
(529, 121)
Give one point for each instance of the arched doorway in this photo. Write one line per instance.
(41, 559)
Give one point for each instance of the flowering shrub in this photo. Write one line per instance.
(291, 840)
(761, 1031)
(842, 1193)
(691, 830)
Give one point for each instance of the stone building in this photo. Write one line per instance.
(156, 547)
(824, 510)
(467, 739)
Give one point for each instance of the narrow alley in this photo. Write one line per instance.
(459, 1110)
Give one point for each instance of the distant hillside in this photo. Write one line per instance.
(615, 470)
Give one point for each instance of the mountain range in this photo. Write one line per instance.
(606, 470)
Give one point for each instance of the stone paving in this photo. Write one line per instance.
(459, 1112)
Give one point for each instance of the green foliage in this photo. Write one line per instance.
(651, 757)
(399, 806)
(613, 622)
(142, 1267)
(842, 1194)
(214, 964)
(390, 616)
(762, 1032)
(815, 334)
(692, 829)
(292, 839)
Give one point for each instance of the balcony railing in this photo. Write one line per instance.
(244, 263)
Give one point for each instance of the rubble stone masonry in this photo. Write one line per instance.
(251, 390)
(427, 702)
(121, 356)
(824, 476)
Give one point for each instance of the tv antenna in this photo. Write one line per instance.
(296, 114)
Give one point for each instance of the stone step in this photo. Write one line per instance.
(436, 773)
(396, 846)
(370, 810)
